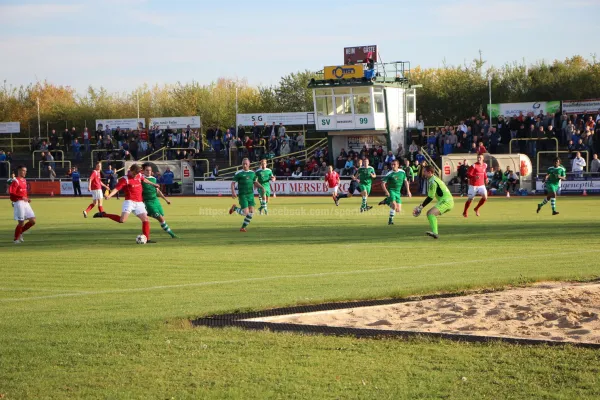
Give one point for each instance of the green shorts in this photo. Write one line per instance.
(246, 200)
(154, 208)
(364, 187)
(552, 187)
(395, 196)
(267, 190)
(445, 205)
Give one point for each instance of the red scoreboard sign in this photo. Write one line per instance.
(358, 54)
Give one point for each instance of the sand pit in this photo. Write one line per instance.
(562, 312)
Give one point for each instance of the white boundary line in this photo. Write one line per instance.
(277, 277)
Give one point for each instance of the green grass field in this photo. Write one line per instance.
(87, 313)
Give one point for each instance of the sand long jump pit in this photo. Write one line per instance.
(544, 313)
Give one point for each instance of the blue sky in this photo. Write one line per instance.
(120, 44)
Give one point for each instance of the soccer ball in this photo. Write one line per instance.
(141, 239)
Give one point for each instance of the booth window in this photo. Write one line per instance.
(343, 104)
(325, 105)
(379, 102)
(362, 100)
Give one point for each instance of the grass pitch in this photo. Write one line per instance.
(87, 313)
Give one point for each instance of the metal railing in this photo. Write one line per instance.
(531, 140)
(147, 157)
(298, 154)
(50, 162)
(430, 161)
(236, 148)
(92, 161)
(587, 157)
(62, 153)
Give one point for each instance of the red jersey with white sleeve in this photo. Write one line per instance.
(18, 189)
(132, 187)
(95, 183)
(477, 174)
(332, 178)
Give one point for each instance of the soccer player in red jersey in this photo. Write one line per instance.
(332, 182)
(134, 202)
(23, 210)
(95, 186)
(477, 176)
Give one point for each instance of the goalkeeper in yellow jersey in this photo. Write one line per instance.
(438, 190)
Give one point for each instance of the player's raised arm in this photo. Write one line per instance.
(160, 194)
(150, 183)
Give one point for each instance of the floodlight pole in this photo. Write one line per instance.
(38, 113)
(236, 105)
(490, 88)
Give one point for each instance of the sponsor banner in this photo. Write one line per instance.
(10, 127)
(344, 72)
(66, 188)
(292, 187)
(175, 122)
(43, 187)
(359, 54)
(591, 185)
(581, 106)
(514, 109)
(127, 123)
(371, 141)
(341, 122)
(291, 118)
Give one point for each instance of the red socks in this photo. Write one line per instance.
(18, 231)
(26, 227)
(101, 209)
(114, 217)
(467, 205)
(90, 207)
(481, 203)
(146, 229)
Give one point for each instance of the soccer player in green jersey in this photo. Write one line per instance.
(392, 186)
(150, 195)
(264, 176)
(438, 190)
(552, 180)
(366, 174)
(246, 181)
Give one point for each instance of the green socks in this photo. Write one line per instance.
(247, 220)
(543, 203)
(433, 223)
(364, 202)
(166, 228)
(553, 204)
(392, 213)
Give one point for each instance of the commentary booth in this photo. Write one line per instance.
(364, 102)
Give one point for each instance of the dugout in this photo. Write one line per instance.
(520, 163)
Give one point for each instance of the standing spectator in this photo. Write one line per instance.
(51, 173)
(595, 165)
(143, 142)
(75, 178)
(67, 140)
(50, 160)
(86, 139)
(300, 141)
(281, 130)
(578, 164)
(168, 178)
(481, 149)
(420, 124)
(77, 150)
(389, 158)
(413, 149)
(273, 130)
(255, 132)
(3, 168)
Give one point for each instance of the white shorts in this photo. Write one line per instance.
(334, 190)
(97, 194)
(137, 207)
(477, 190)
(23, 211)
